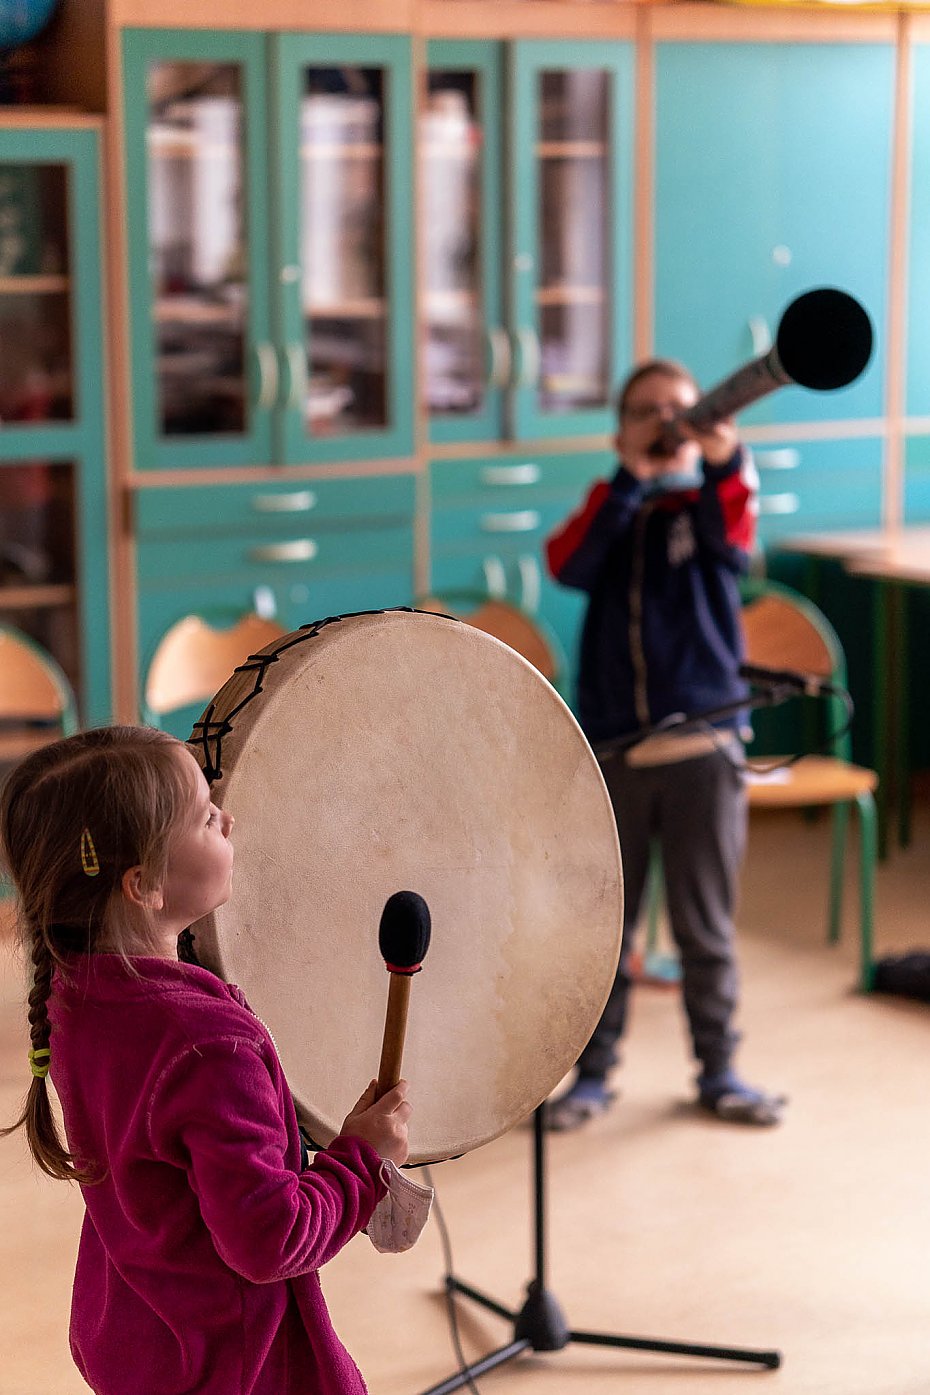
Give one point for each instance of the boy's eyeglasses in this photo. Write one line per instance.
(646, 411)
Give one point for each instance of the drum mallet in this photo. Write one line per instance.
(403, 938)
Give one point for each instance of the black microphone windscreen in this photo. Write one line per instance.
(824, 339)
(403, 935)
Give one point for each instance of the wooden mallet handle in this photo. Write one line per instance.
(395, 1028)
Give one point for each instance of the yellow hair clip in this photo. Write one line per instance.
(89, 855)
(40, 1072)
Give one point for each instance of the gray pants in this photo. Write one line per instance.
(696, 810)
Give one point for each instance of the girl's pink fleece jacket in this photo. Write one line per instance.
(197, 1267)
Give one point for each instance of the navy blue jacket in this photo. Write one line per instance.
(662, 632)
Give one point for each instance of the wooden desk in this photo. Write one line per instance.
(893, 559)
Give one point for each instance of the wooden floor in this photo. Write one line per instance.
(813, 1238)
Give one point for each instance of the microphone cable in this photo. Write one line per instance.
(446, 1243)
(826, 745)
(680, 721)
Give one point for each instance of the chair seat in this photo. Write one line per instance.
(810, 781)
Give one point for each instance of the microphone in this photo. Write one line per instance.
(823, 342)
(808, 683)
(403, 938)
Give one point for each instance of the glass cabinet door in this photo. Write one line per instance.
(53, 511)
(571, 284)
(206, 374)
(38, 554)
(35, 301)
(345, 244)
(467, 355)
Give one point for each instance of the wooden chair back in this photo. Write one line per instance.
(504, 622)
(37, 702)
(785, 630)
(781, 634)
(194, 659)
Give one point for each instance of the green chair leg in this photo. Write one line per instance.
(868, 853)
(839, 822)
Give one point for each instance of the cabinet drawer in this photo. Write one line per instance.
(311, 552)
(292, 604)
(836, 484)
(498, 529)
(507, 482)
(275, 507)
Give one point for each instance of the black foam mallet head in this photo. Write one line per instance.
(403, 935)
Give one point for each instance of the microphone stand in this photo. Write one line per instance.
(540, 1324)
(771, 695)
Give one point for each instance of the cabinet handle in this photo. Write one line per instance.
(268, 378)
(500, 358)
(511, 474)
(786, 459)
(297, 501)
(530, 583)
(760, 334)
(530, 358)
(495, 577)
(521, 521)
(297, 550)
(264, 602)
(779, 503)
(297, 376)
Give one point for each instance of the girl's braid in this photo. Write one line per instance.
(43, 965)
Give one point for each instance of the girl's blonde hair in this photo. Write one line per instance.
(74, 816)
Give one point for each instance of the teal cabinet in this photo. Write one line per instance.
(293, 552)
(917, 400)
(526, 169)
(917, 479)
(268, 187)
(468, 354)
(818, 485)
(773, 176)
(489, 524)
(54, 582)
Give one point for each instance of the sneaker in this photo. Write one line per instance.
(732, 1100)
(585, 1100)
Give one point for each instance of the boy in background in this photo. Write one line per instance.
(659, 550)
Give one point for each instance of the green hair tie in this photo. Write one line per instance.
(40, 1072)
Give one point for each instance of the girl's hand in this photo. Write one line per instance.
(383, 1122)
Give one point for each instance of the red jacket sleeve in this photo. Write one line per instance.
(578, 550)
(218, 1112)
(728, 509)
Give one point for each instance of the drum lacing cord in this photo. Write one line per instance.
(208, 733)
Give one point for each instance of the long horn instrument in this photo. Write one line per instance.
(824, 342)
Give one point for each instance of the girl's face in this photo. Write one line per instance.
(200, 858)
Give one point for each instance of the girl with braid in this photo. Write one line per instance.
(205, 1224)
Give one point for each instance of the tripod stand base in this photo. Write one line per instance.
(541, 1326)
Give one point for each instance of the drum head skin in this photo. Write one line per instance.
(398, 750)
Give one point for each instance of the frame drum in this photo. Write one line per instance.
(399, 750)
